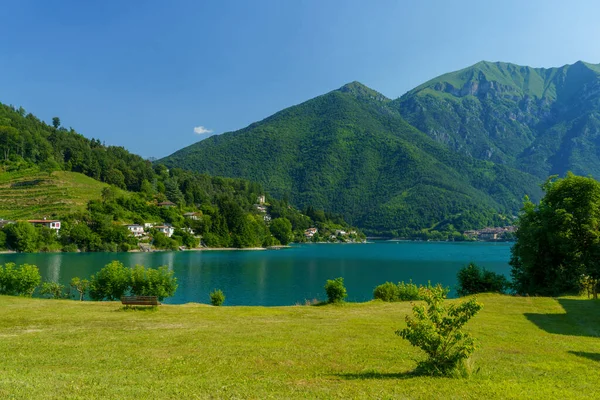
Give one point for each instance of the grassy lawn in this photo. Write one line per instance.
(529, 348)
(32, 194)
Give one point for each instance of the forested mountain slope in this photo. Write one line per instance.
(540, 120)
(350, 151)
(42, 170)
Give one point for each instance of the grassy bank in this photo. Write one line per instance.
(530, 348)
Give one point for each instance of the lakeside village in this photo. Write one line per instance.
(145, 234)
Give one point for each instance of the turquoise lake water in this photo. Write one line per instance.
(288, 276)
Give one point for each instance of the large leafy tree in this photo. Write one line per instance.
(558, 240)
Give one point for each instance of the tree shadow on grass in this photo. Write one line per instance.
(581, 318)
(591, 356)
(378, 375)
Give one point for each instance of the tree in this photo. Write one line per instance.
(158, 282)
(8, 139)
(281, 228)
(81, 286)
(217, 297)
(54, 290)
(473, 279)
(558, 240)
(111, 282)
(20, 281)
(436, 329)
(22, 236)
(335, 290)
(55, 122)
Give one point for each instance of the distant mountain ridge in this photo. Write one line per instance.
(350, 151)
(540, 120)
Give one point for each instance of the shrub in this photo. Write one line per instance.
(217, 297)
(473, 279)
(53, 290)
(20, 281)
(336, 291)
(387, 292)
(408, 291)
(81, 286)
(438, 289)
(158, 282)
(111, 282)
(436, 329)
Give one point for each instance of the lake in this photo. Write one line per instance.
(288, 276)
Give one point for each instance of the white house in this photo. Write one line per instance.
(192, 215)
(48, 223)
(261, 199)
(136, 230)
(260, 208)
(166, 229)
(310, 232)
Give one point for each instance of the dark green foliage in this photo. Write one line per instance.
(111, 282)
(558, 240)
(217, 297)
(281, 228)
(19, 281)
(473, 279)
(335, 290)
(386, 292)
(158, 282)
(351, 153)
(436, 329)
(53, 290)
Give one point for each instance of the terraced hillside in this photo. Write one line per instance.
(33, 194)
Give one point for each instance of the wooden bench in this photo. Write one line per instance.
(140, 300)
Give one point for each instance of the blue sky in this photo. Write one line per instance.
(144, 74)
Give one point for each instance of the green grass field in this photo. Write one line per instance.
(540, 348)
(32, 194)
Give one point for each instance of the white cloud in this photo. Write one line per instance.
(200, 130)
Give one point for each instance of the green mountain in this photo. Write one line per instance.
(351, 152)
(51, 172)
(541, 121)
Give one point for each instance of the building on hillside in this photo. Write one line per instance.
(48, 223)
(339, 232)
(310, 232)
(267, 218)
(149, 225)
(260, 208)
(193, 215)
(136, 230)
(167, 204)
(167, 229)
(261, 199)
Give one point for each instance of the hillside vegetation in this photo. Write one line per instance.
(348, 151)
(31, 194)
(540, 120)
(529, 348)
(49, 171)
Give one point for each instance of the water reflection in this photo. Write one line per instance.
(288, 276)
